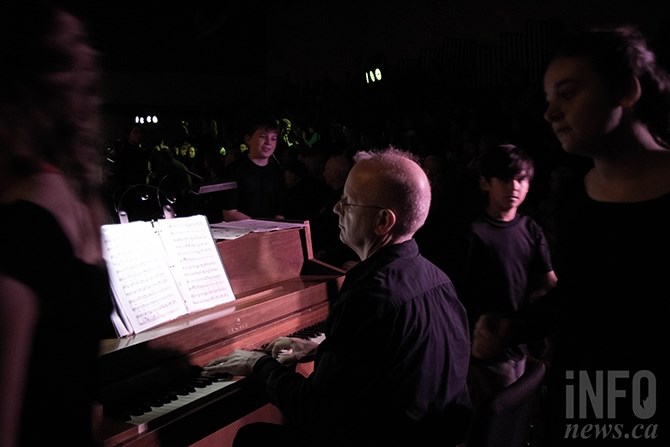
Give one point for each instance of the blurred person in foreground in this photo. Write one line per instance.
(392, 368)
(608, 101)
(54, 295)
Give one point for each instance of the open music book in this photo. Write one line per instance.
(161, 270)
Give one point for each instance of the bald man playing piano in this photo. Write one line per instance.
(392, 368)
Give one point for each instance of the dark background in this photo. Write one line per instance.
(175, 57)
(307, 38)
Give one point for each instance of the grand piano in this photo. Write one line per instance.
(152, 391)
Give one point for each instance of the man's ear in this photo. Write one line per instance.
(386, 220)
(633, 96)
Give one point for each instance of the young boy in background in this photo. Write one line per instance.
(508, 263)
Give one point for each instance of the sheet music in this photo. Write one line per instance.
(238, 228)
(227, 233)
(163, 270)
(197, 265)
(143, 286)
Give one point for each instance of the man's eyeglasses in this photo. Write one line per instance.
(341, 205)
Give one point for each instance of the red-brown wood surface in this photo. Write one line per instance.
(279, 290)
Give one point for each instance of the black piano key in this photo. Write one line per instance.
(139, 410)
(157, 402)
(219, 377)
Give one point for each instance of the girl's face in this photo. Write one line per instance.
(580, 110)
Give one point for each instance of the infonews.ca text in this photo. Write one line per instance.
(594, 399)
(610, 431)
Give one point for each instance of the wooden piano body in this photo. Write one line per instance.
(279, 288)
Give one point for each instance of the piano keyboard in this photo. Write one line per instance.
(208, 385)
(193, 389)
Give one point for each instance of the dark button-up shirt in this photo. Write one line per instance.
(395, 356)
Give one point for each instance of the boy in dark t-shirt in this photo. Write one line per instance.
(260, 191)
(508, 262)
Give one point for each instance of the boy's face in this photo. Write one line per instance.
(262, 143)
(506, 194)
